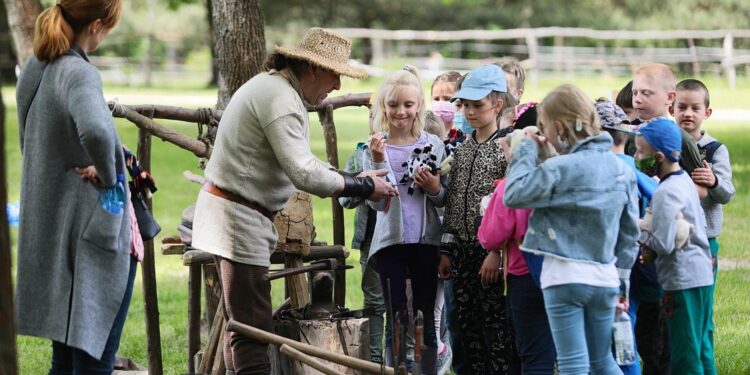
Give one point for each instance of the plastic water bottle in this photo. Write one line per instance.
(112, 199)
(624, 341)
(12, 210)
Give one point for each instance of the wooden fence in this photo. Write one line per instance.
(556, 49)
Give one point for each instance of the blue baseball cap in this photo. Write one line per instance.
(664, 135)
(480, 82)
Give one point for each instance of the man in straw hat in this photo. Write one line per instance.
(260, 157)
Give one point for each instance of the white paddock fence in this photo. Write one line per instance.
(556, 49)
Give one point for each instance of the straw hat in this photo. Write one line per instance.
(324, 49)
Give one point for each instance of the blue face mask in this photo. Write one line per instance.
(460, 122)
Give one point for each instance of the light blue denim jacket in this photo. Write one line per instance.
(389, 227)
(585, 203)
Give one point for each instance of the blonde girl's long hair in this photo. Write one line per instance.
(408, 77)
(56, 27)
(569, 105)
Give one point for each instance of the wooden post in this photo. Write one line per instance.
(213, 291)
(696, 66)
(148, 272)
(728, 62)
(378, 55)
(8, 361)
(533, 45)
(194, 314)
(329, 132)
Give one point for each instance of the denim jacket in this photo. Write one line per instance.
(389, 225)
(585, 203)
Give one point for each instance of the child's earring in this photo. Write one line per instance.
(579, 125)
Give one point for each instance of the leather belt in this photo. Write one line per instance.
(215, 190)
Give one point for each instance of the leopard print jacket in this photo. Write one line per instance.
(475, 166)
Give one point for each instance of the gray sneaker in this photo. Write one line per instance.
(444, 360)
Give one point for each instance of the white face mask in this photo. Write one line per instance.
(564, 146)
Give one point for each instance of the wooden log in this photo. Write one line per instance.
(194, 314)
(294, 224)
(148, 272)
(346, 100)
(214, 343)
(297, 288)
(350, 337)
(263, 336)
(307, 360)
(173, 248)
(198, 148)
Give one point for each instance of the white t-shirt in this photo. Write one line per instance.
(559, 271)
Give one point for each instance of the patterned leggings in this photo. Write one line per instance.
(481, 316)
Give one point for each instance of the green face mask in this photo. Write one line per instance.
(647, 165)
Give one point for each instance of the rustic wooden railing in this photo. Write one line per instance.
(144, 117)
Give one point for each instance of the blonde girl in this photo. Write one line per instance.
(584, 224)
(407, 230)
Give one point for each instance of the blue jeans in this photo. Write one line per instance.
(530, 326)
(581, 319)
(69, 360)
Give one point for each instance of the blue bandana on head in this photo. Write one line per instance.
(664, 135)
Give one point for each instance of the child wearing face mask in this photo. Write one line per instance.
(684, 272)
(407, 229)
(584, 224)
(442, 91)
(480, 320)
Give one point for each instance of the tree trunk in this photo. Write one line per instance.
(239, 42)
(8, 364)
(214, 82)
(21, 18)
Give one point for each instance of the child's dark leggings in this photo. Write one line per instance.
(481, 316)
(419, 263)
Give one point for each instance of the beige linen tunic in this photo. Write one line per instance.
(262, 153)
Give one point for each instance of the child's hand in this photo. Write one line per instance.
(444, 268)
(429, 182)
(89, 174)
(377, 148)
(490, 271)
(621, 304)
(704, 176)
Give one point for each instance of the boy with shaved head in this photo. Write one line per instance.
(654, 92)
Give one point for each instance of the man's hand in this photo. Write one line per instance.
(383, 188)
(490, 271)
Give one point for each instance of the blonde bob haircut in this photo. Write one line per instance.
(571, 107)
(389, 89)
(56, 27)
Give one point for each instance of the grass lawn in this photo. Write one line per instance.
(732, 307)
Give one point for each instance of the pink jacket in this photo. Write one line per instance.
(502, 225)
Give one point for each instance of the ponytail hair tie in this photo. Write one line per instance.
(579, 125)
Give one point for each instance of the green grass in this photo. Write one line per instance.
(732, 307)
